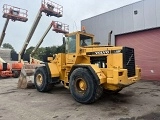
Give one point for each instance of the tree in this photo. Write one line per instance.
(43, 52)
(60, 49)
(39, 53)
(7, 45)
(29, 50)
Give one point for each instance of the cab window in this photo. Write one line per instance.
(71, 44)
(85, 40)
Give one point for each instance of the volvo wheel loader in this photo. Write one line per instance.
(87, 68)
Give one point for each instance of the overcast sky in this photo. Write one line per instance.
(73, 12)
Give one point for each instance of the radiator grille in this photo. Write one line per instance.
(129, 61)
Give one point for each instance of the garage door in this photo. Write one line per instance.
(147, 51)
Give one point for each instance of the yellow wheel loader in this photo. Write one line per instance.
(87, 68)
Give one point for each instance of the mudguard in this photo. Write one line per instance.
(94, 69)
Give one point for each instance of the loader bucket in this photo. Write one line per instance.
(26, 76)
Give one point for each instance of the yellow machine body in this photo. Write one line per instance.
(113, 66)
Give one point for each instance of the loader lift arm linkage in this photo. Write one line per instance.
(13, 13)
(58, 27)
(50, 9)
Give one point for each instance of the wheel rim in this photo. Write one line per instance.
(81, 85)
(39, 79)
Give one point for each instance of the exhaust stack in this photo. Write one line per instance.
(109, 38)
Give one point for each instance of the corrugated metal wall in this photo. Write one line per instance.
(124, 20)
(147, 53)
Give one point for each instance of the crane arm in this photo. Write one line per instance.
(41, 40)
(3, 32)
(32, 30)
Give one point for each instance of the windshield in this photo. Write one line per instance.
(71, 44)
(85, 40)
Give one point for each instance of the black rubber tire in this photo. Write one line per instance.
(45, 86)
(93, 91)
(16, 73)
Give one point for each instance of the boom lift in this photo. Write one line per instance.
(87, 68)
(28, 69)
(50, 9)
(14, 14)
(58, 27)
(9, 70)
(5, 70)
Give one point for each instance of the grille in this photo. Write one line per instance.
(129, 61)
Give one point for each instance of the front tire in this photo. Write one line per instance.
(84, 87)
(40, 80)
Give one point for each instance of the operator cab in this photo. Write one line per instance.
(77, 40)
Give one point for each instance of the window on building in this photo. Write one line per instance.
(135, 12)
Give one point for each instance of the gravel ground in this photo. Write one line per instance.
(140, 101)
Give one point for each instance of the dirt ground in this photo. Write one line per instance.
(140, 101)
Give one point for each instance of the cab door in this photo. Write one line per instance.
(71, 49)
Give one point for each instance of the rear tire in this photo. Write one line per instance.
(84, 87)
(40, 80)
